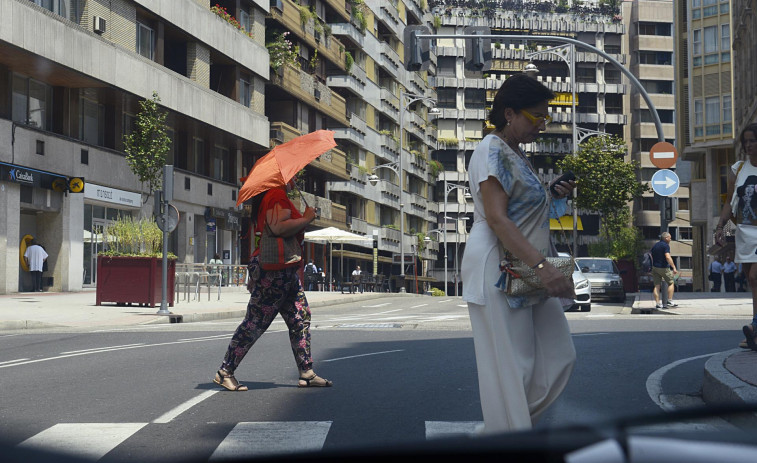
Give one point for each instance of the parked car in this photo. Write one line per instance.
(604, 276)
(582, 288)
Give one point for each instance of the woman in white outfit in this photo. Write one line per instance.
(524, 351)
(742, 181)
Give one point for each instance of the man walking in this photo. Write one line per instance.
(663, 268)
(35, 258)
(716, 274)
(729, 275)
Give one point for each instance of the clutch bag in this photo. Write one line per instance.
(522, 279)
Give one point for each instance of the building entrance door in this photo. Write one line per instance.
(93, 244)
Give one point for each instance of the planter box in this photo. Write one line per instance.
(133, 280)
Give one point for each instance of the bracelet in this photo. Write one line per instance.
(539, 265)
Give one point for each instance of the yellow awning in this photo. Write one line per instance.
(565, 223)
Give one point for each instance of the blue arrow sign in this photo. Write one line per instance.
(665, 182)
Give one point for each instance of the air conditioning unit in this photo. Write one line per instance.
(317, 94)
(99, 25)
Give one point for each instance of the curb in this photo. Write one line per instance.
(721, 386)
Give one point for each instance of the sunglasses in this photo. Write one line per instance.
(537, 121)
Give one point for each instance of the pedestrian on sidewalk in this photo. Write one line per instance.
(729, 275)
(663, 268)
(716, 274)
(274, 292)
(35, 257)
(524, 351)
(742, 210)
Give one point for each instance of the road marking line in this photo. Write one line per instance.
(589, 334)
(176, 411)
(205, 338)
(12, 361)
(89, 441)
(102, 348)
(654, 381)
(252, 439)
(440, 429)
(363, 355)
(416, 306)
(377, 305)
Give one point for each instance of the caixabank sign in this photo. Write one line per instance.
(40, 178)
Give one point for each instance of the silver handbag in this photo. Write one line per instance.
(522, 279)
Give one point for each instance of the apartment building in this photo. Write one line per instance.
(466, 96)
(650, 47)
(705, 119)
(72, 73)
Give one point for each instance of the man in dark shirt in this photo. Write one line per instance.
(663, 268)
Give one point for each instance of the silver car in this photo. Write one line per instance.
(604, 277)
(582, 287)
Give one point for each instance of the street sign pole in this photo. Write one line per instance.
(165, 197)
(664, 156)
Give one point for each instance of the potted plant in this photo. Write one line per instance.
(129, 270)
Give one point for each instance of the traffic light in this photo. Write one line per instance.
(417, 54)
(478, 52)
(669, 212)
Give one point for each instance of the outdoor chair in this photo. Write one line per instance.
(378, 283)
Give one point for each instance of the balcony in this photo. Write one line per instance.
(329, 47)
(303, 86)
(340, 7)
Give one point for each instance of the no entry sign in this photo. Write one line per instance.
(663, 155)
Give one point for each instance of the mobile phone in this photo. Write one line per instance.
(567, 176)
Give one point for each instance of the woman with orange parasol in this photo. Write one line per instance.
(275, 292)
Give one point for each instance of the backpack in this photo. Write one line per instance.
(310, 268)
(646, 262)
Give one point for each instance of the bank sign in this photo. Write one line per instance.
(31, 177)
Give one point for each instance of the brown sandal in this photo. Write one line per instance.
(228, 381)
(314, 381)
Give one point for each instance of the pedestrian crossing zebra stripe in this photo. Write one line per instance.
(253, 439)
(88, 441)
(92, 441)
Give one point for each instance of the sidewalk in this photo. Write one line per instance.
(728, 376)
(71, 310)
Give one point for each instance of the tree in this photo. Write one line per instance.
(606, 183)
(148, 144)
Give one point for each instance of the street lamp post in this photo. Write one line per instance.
(448, 187)
(457, 247)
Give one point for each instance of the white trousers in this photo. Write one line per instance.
(524, 359)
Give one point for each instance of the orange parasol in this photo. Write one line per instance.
(277, 167)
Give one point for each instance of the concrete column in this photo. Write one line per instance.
(198, 63)
(10, 208)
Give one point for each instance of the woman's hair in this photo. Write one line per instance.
(517, 92)
(255, 206)
(749, 128)
(216, 256)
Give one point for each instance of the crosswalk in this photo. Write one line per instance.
(92, 441)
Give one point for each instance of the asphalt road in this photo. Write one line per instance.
(404, 371)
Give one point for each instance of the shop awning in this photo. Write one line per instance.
(565, 223)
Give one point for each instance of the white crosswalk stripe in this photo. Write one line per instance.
(88, 441)
(254, 439)
(92, 441)
(441, 429)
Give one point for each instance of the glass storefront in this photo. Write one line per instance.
(96, 218)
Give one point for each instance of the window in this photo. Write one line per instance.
(696, 3)
(710, 39)
(658, 57)
(654, 29)
(220, 162)
(658, 86)
(65, 8)
(696, 50)
(726, 108)
(31, 102)
(724, 8)
(666, 116)
(244, 20)
(712, 115)
(245, 91)
(92, 127)
(709, 11)
(698, 112)
(683, 204)
(725, 37)
(475, 98)
(198, 157)
(446, 98)
(145, 40)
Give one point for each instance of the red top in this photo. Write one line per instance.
(270, 200)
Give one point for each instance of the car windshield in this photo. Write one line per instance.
(596, 265)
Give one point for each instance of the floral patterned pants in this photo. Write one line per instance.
(273, 292)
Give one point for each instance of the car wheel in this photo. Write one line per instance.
(586, 308)
(570, 308)
(621, 298)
